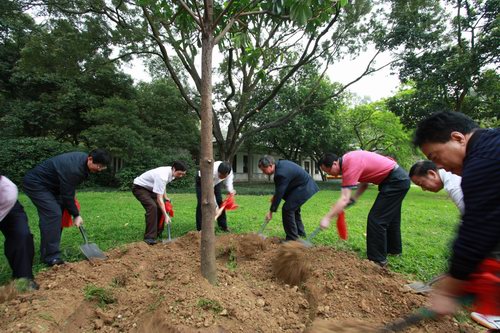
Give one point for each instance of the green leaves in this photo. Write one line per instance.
(300, 11)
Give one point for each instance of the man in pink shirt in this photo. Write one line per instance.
(358, 169)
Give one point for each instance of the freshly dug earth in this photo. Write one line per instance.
(160, 289)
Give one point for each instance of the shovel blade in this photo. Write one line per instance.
(91, 251)
(419, 287)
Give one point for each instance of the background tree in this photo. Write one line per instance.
(378, 130)
(317, 130)
(259, 42)
(456, 66)
(61, 74)
(150, 130)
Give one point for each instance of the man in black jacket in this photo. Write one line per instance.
(456, 143)
(51, 186)
(295, 186)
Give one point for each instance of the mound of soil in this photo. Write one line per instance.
(159, 288)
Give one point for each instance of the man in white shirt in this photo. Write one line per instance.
(222, 173)
(19, 248)
(150, 189)
(426, 175)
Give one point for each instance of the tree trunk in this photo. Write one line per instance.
(207, 250)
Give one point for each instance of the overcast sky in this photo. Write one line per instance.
(376, 86)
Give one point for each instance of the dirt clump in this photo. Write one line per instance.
(160, 289)
(330, 326)
(290, 264)
(8, 292)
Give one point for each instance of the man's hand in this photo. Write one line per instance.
(352, 202)
(444, 298)
(78, 221)
(167, 218)
(269, 216)
(325, 222)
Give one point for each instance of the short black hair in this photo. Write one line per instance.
(327, 160)
(266, 161)
(421, 168)
(438, 127)
(179, 166)
(224, 168)
(100, 156)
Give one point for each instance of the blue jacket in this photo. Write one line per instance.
(479, 234)
(293, 184)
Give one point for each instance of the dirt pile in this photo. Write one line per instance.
(159, 288)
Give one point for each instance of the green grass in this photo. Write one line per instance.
(112, 219)
(102, 296)
(208, 304)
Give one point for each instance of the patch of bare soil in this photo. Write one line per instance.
(160, 289)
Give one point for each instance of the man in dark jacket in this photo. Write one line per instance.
(51, 186)
(295, 186)
(456, 143)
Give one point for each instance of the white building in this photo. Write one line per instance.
(245, 167)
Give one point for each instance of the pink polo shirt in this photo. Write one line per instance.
(365, 167)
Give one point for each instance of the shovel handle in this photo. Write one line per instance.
(412, 319)
(84, 234)
(168, 230)
(263, 226)
(313, 234)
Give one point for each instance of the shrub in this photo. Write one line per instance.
(151, 158)
(17, 156)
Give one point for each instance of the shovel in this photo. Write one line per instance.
(262, 227)
(168, 234)
(422, 287)
(90, 250)
(419, 315)
(308, 242)
(409, 320)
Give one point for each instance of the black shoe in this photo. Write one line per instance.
(55, 261)
(225, 230)
(150, 241)
(32, 285)
(382, 263)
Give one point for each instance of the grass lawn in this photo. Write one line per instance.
(115, 218)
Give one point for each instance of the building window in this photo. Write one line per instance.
(235, 158)
(245, 163)
(307, 167)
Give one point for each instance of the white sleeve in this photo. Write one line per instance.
(451, 184)
(229, 182)
(8, 196)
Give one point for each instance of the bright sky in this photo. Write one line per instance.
(376, 86)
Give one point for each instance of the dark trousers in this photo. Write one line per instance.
(292, 223)
(222, 219)
(384, 220)
(153, 212)
(18, 246)
(50, 214)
